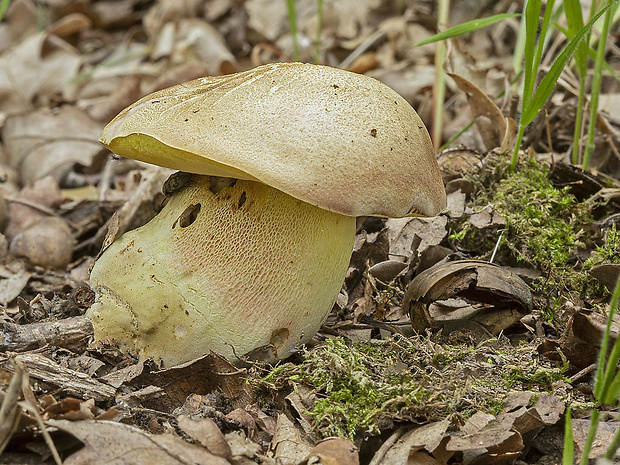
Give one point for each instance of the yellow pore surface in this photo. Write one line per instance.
(247, 268)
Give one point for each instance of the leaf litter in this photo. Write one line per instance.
(448, 392)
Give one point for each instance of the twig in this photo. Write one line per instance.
(70, 333)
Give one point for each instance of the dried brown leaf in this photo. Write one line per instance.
(12, 283)
(288, 445)
(206, 432)
(119, 444)
(333, 451)
(51, 142)
(443, 293)
(205, 374)
(40, 66)
(502, 130)
(402, 231)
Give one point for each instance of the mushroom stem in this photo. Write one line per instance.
(232, 266)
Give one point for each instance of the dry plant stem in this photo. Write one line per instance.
(68, 381)
(361, 48)
(439, 87)
(9, 413)
(70, 333)
(387, 445)
(29, 405)
(596, 85)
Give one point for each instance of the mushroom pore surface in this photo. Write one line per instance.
(232, 266)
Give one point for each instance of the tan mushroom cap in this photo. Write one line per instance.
(341, 141)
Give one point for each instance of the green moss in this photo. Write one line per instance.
(366, 387)
(531, 376)
(544, 223)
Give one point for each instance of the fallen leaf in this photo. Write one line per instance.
(402, 231)
(607, 274)
(580, 341)
(12, 283)
(501, 131)
(33, 203)
(206, 432)
(333, 451)
(604, 434)
(51, 142)
(202, 375)
(455, 292)
(197, 40)
(119, 444)
(41, 65)
(288, 445)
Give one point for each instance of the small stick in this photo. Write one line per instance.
(70, 333)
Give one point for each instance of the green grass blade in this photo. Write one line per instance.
(3, 7)
(533, 106)
(574, 20)
(613, 392)
(587, 447)
(596, 83)
(467, 27)
(532, 14)
(613, 446)
(568, 457)
(292, 21)
(542, 36)
(319, 30)
(603, 377)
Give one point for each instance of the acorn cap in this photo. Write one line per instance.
(341, 141)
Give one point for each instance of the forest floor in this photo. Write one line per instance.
(461, 338)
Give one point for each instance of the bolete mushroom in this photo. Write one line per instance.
(248, 257)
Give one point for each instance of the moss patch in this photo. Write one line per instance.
(363, 388)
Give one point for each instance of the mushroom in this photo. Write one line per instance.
(249, 254)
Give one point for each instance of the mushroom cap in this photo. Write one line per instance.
(341, 141)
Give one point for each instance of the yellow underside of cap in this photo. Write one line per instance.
(147, 149)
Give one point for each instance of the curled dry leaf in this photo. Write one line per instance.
(198, 40)
(333, 451)
(205, 374)
(288, 445)
(448, 295)
(427, 437)
(501, 131)
(580, 341)
(50, 142)
(206, 432)
(12, 283)
(403, 231)
(607, 274)
(109, 442)
(41, 65)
